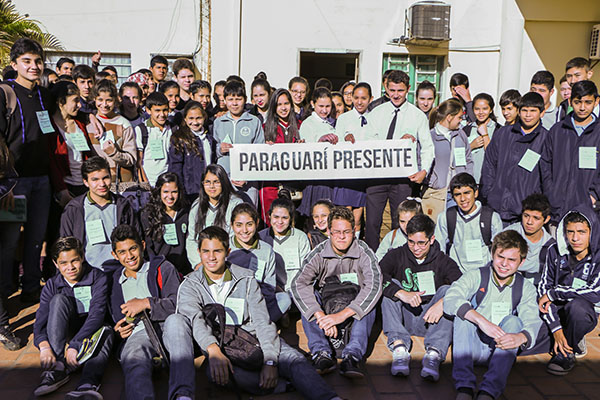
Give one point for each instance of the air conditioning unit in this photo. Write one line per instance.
(595, 43)
(429, 20)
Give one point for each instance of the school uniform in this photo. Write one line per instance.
(87, 107)
(536, 253)
(550, 116)
(290, 251)
(260, 258)
(452, 157)
(392, 240)
(479, 153)
(191, 243)
(190, 166)
(315, 237)
(158, 281)
(470, 345)
(565, 170)
(93, 224)
(155, 158)
(173, 239)
(69, 314)
(390, 122)
(511, 169)
(379, 101)
(468, 248)
(312, 129)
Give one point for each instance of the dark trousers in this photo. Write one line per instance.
(578, 318)
(3, 311)
(377, 196)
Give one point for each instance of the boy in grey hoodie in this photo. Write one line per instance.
(497, 314)
(236, 289)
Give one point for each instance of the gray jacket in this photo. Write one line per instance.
(245, 130)
(194, 293)
(444, 164)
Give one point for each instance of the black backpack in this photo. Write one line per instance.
(240, 347)
(517, 289)
(485, 224)
(335, 296)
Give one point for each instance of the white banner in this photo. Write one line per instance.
(319, 161)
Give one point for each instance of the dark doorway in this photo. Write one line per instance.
(339, 68)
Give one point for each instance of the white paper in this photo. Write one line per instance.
(426, 282)
(587, 158)
(170, 236)
(460, 157)
(44, 121)
(78, 140)
(349, 277)
(227, 140)
(95, 231)
(578, 283)
(106, 136)
(83, 296)
(500, 309)
(529, 160)
(234, 310)
(157, 151)
(473, 250)
(291, 259)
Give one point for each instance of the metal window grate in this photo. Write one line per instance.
(122, 62)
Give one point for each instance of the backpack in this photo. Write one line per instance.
(11, 102)
(144, 130)
(240, 347)
(485, 224)
(517, 290)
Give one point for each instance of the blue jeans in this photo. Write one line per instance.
(38, 193)
(293, 367)
(64, 322)
(472, 346)
(400, 321)
(359, 335)
(136, 360)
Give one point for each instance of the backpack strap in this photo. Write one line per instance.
(483, 285)
(467, 129)
(451, 215)
(544, 252)
(144, 130)
(11, 101)
(394, 234)
(485, 224)
(159, 279)
(517, 292)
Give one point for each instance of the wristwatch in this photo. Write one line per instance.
(271, 363)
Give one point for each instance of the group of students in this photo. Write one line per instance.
(485, 246)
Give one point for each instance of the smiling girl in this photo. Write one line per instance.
(260, 93)
(480, 133)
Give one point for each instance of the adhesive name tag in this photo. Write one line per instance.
(234, 311)
(426, 282)
(108, 135)
(473, 250)
(44, 121)
(349, 277)
(460, 157)
(83, 296)
(95, 231)
(529, 160)
(587, 158)
(578, 283)
(227, 139)
(78, 141)
(157, 151)
(290, 257)
(500, 309)
(170, 236)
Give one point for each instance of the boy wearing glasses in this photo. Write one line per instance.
(415, 279)
(344, 261)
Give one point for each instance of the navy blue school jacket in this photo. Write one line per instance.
(189, 167)
(176, 255)
(504, 184)
(565, 184)
(163, 283)
(92, 277)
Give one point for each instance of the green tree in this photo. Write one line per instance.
(14, 26)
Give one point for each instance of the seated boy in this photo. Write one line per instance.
(535, 214)
(415, 279)
(568, 165)
(465, 231)
(153, 138)
(511, 170)
(570, 287)
(72, 308)
(345, 259)
(397, 237)
(495, 315)
(92, 216)
(542, 83)
(220, 282)
(237, 126)
(140, 286)
(509, 103)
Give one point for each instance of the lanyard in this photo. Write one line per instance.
(21, 109)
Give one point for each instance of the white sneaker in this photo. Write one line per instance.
(431, 365)
(401, 361)
(582, 348)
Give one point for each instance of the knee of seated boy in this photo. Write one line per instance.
(511, 324)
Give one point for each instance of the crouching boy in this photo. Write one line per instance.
(416, 277)
(148, 288)
(496, 315)
(220, 283)
(72, 308)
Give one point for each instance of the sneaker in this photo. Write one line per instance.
(401, 361)
(350, 368)
(8, 339)
(85, 392)
(51, 380)
(464, 393)
(323, 362)
(431, 365)
(582, 348)
(561, 365)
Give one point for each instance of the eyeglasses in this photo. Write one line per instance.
(347, 232)
(212, 183)
(421, 243)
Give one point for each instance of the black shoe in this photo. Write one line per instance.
(350, 368)
(8, 339)
(30, 297)
(85, 392)
(51, 380)
(324, 362)
(561, 365)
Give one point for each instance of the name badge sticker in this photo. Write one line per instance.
(44, 121)
(529, 160)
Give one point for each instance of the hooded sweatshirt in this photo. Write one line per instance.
(564, 277)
